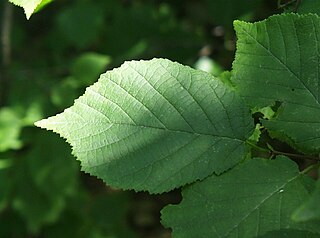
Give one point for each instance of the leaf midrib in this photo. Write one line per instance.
(148, 127)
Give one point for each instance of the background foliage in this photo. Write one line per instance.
(48, 63)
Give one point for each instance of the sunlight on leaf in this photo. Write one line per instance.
(155, 125)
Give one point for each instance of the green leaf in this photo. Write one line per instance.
(43, 4)
(155, 125)
(256, 133)
(29, 6)
(267, 112)
(87, 68)
(10, 127)
(80, 24)
(277, 60)
(310, 209)
(253, 198)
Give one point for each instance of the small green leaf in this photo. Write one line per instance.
(277, 60)
(253, 198)
(256, 134)
(155, 125)
(87, 68)
(29, 6)
(10, 127)
(267, 112)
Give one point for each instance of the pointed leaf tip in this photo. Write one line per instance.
(40, 123)
(30, 6)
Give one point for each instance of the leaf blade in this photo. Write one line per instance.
(162, 123)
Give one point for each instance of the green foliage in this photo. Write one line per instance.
(10, 129)
(157, 125)
(234, 142)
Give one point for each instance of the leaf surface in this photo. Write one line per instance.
(277, 60)
(290, 233)
(155, 125)
(251, 199)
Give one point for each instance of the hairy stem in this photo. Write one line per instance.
(273, 152)
(283, 5)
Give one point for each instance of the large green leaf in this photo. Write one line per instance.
(253, 198)
(155, 125)
(277, 60)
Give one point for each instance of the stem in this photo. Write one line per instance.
(297, 6)
(295, 9)
(298, 156)
(308, 169)
(282, 5)
(258, 147)
(5, 36)
(275, 152)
